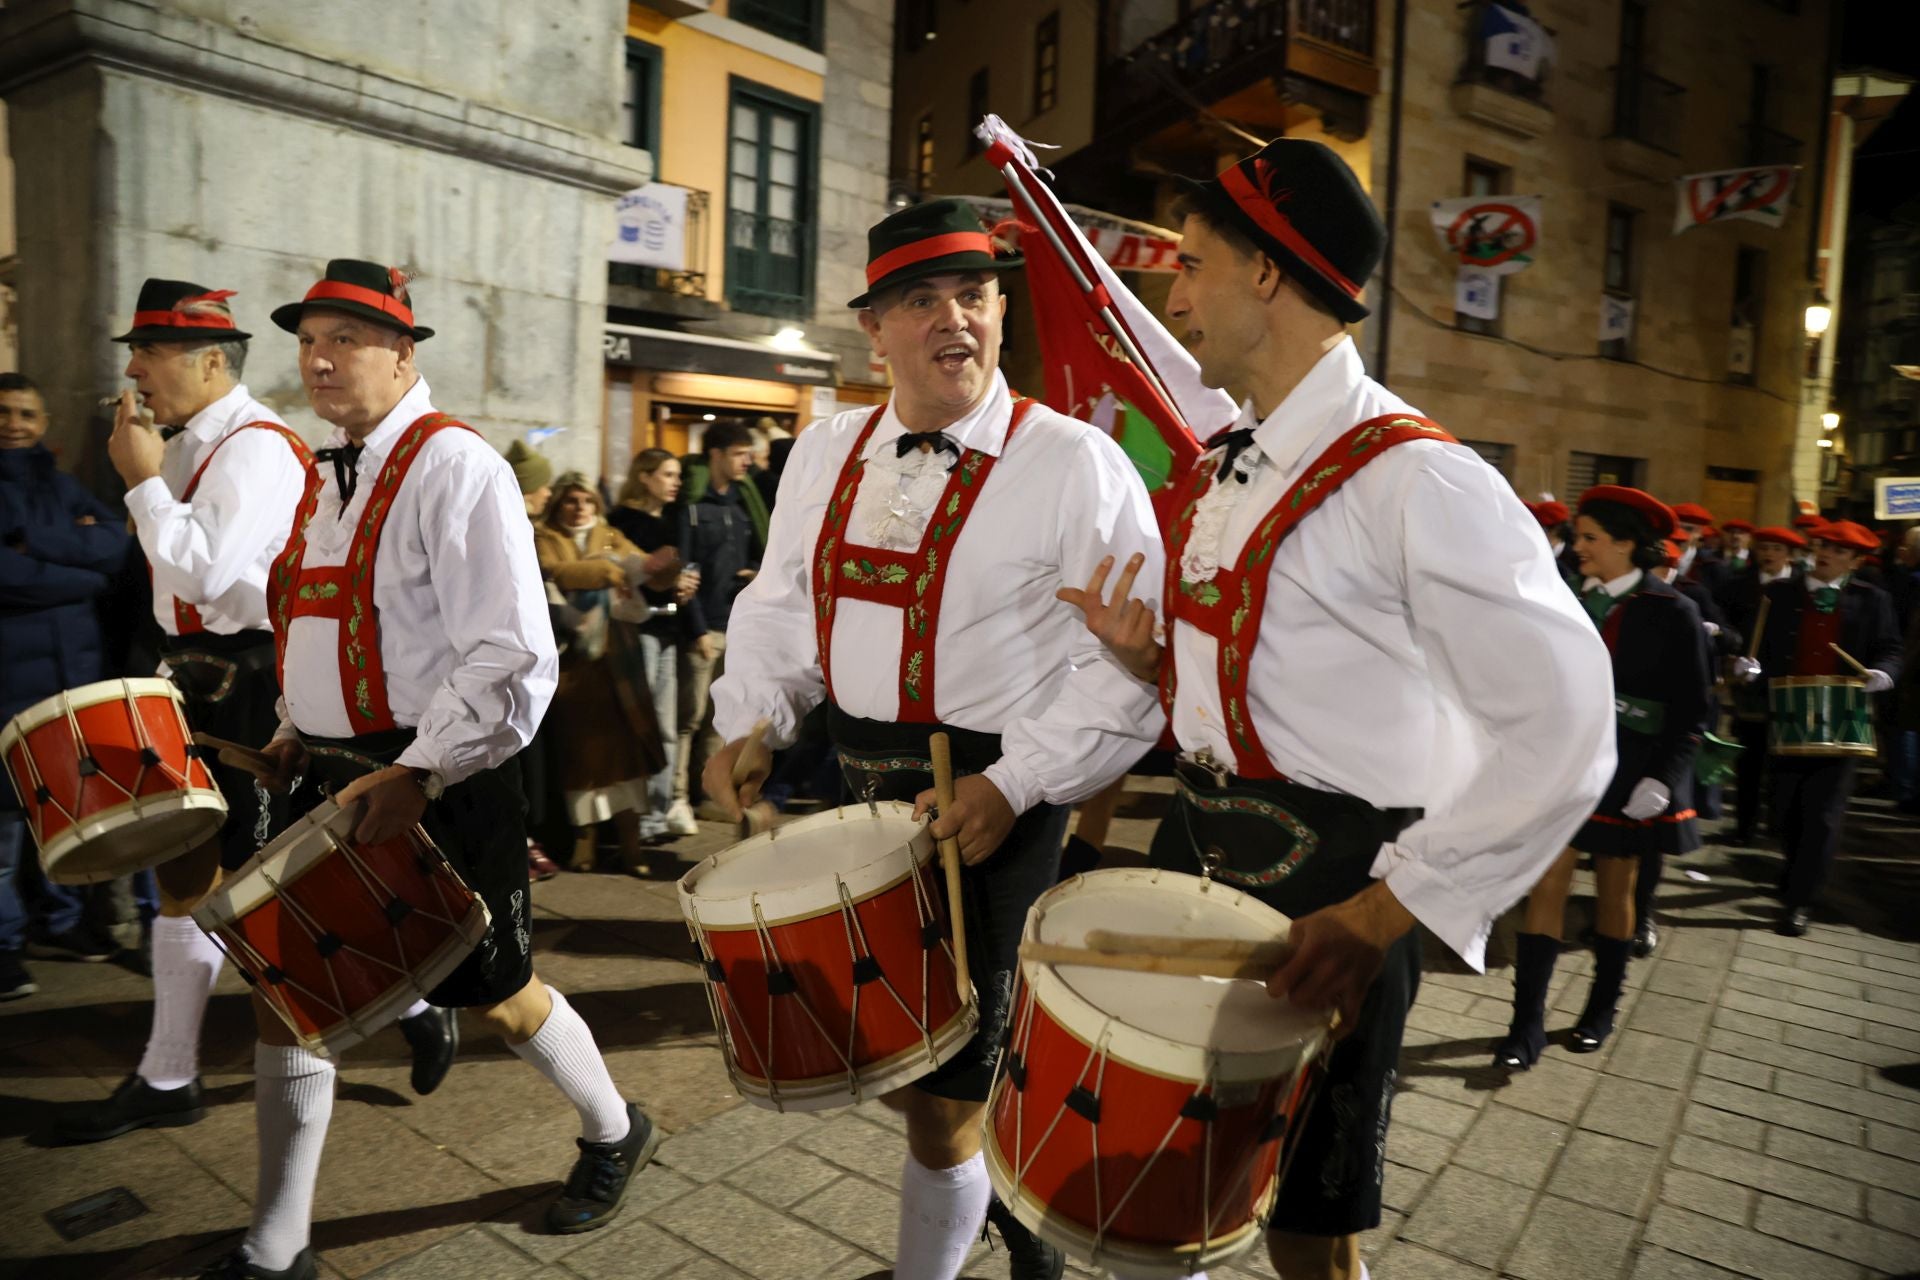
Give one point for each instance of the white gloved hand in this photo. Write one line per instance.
(1649, 799)
(1878, 682)
(1713, 628)
(1746, 670)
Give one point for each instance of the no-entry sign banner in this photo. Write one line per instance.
(1495, 234)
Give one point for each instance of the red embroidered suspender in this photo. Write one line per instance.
(1237, 596)
(345, 592)
(186, 618)
(911, 581)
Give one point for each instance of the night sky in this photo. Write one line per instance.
(1879, 35)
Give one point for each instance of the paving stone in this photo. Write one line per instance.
(1455, 1026)
(462, 1257)
(1896, 1037)
(1747, 1023)
(1894, 1141)
(1859, 972)
(1744, 1001)
(1451, 999)
(647, 1191)
(1375, 1242)
(1799, 976)
(1650, 1058)
(1417, 1148)
(1554, 1088)
(744, 1233)
(707, 1269)
(1896, 1112)
(1568, 1241)
(1469, 1215)
(1606, 1172)
(1728, 1201)
(1849, 1047)
(1435, 1115)
(1889, 1251)
(1773, 1053)
(858, 1211)
(641, 1251)
(1723, 1126)
(1517, 1146)
(1663, 1264)
(1401, 1186)
(1866, 944)
(1842, 1160)
(1411, 1262)
(1632, 1110)
(1741, 1249)
(853, 1144)
(1672, 977)
(1899, 997)
(1889, 1209)
(724, 1143)
(1906, 965)
(1827, 1003)
(1711, 948)
(1780, 1177)
(1775, 1109)
(783, 1175)
(1787, 949)
(1726, 1066)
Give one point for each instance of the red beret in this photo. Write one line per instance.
(1737, 526)
(1692, 513)
(1807, 522)
(1658, 513)
(1774, 533)
(1845, 533)
(1550, 514)
(1673, 551)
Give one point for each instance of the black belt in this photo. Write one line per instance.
(186, 648)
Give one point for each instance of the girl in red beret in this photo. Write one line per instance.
(1661, 700)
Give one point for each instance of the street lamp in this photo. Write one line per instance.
(1829, 421)
(1819, 318)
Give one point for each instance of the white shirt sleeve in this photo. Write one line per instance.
(1509, 643)
(1103, 719)
(486, 581)
(245, 501)
(773, 653)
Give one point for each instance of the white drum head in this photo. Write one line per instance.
(1162, 1022)
(795, 869)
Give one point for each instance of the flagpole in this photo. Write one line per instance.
(1016, 180)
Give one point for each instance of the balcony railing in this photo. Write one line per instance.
(1224, 46)
(1474, 70)
(769, 264)
(687, 281)
(795, 20)
(1770, 146)
(1646, 109)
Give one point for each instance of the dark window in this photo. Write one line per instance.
(1483, 178)
(919, 23)
(923, 154)
(640, 103)
(795, 20)
(1585, 470)
(1749, 305)
(1617, 279)
(976, 108)
(1046, 63)
(770, 162)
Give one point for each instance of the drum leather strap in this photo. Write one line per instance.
(1230, 606)
(345, 592)
(186, 618)
(911, 581)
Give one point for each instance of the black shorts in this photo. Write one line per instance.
(479, 823)
(231, 689)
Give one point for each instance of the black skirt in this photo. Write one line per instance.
(1610, 833)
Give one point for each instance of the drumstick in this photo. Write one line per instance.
(1178, 966)
(1759, 626)
(1271, 954)
(1850, 660)
(758, 816)
(950, 860)
(239, 757)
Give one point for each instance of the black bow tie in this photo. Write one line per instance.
(1238, 441)
(168, 433)
(344, 457)
(937, 441)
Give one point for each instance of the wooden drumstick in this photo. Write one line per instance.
(1271, 954)
(754, 756)
(1851, 661)
(1179, 966)
(942, 755)
(1759, 626)
(238, 756)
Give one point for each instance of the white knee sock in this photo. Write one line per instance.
(940, 1215)
(186, 962)
(293, 1101)
(415, 1009)
(564, 1051)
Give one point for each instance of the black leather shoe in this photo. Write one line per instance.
(134, 1105)
(435, 1038)
(236, 1267)
(600, 1176)
(1028, 1256)
(1646, 936)
(1793, 923)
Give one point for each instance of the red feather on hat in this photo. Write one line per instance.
(398, 278)
(205, 303)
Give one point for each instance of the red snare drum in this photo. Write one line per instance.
(106, 779)
(829, 963)
(1140, 1121)
(339, 936)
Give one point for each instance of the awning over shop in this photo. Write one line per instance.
(670, 351)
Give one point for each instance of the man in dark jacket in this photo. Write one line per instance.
(59, 549)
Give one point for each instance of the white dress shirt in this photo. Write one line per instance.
(1779, 575)
(1419, 649)
(1008, 657)
(1617, 587)
(465, 639)
(214, 551)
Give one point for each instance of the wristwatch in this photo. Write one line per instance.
(432, 785)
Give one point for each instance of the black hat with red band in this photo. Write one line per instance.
(178, 311)
(364, 290)
(1300, 204)
(940, 237)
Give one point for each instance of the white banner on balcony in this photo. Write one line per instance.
(1758, 195)
(1616, 318)
(1497, 234)
(1476, 293)
(650, 227)
(1514, 41)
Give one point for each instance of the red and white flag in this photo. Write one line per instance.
(1108, 359)
(1758, 195)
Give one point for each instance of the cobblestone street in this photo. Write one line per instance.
(1756, 1114)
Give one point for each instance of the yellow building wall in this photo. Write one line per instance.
(694, 88)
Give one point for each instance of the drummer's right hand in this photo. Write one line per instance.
(718, 778)
(1124, 625)
(289, 760)
(1745, 670)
